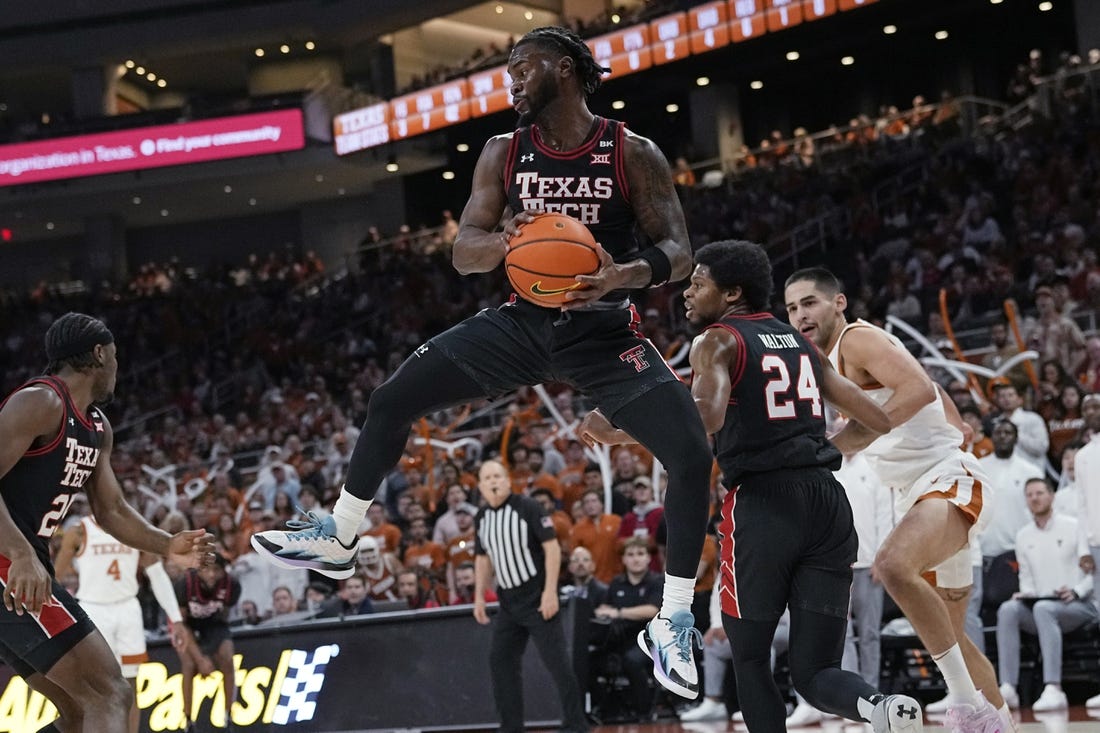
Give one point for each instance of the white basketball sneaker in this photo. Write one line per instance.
(668, 642)
(312, 544)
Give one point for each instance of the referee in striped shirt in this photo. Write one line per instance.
(515, 539)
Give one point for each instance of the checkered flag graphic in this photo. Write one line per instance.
(305, 675)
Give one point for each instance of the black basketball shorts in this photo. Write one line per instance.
(32, 644)
(786, 537)
(601, 353)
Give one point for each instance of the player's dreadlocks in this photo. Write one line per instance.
(588, 71)
(70, 340)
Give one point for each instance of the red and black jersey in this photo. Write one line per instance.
(775, 419)
(40, 487)
(588, 183)
(207, 606)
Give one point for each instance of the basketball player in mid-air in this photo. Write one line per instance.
(107, 574)
(787, 537)
(54, 444)
(562, 158)
(943, 493)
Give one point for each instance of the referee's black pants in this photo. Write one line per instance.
(518, 620)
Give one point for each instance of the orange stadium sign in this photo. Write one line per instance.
(669, 35)
(430, 109)
(783, 14)
(705, 27)
(361, 128)
(814, 9)
(624, 52)
(490, 91)
(708, 27)
(746, 19)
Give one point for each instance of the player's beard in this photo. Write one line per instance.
(538, 98)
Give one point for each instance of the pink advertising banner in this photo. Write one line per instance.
(151, 147)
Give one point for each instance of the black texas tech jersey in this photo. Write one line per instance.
(775, 419)
(588, 183)
(40, 487)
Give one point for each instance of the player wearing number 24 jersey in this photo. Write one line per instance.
(787, 536)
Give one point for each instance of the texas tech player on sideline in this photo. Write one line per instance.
(787, 535)
(563, 158)
(54, 444)
(107, 576)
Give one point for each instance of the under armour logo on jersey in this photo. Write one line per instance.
(526, 157)
(71, 421)
(635, 356)
(601, 158)
(98, 426)
(421, 350)
(607, 143)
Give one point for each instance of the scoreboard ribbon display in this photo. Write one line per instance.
(629, 50)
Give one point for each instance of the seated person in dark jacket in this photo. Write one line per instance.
(352, 600)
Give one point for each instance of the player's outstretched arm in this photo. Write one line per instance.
(28, 414)
(870, 351)
(188, 548)
(658, 211)
(477, 247)
(866, 420)
(711, 354)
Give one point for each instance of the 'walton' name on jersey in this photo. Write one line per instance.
(778, 340)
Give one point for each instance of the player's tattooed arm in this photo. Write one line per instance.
(657, 207)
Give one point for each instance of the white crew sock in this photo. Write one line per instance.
(959, 685)
(679, 593)
(348, 514)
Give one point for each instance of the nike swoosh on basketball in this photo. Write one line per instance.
(537, 289)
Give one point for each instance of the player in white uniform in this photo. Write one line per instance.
(943, 497)
(108, 588)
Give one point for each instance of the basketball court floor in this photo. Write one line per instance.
(1074, 720)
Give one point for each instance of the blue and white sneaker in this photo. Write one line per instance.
(668, 642)
(312, 545)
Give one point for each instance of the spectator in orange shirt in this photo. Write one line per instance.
(386, 533)
(599, 532)
(541, 478)
(420, 552)
(980, 444)
(571, 477)
(563, 524)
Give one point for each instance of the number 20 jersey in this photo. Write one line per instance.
(775, 419)
(39, 488)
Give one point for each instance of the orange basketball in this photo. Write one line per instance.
(546, 255)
